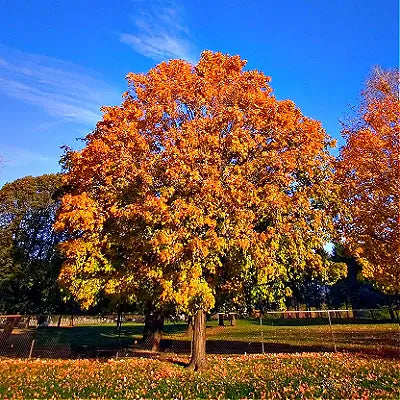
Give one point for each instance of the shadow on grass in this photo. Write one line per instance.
(97, 336)
(317, 321)
(183, 347)
(105, 342)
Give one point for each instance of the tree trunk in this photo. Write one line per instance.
(221, 320)
(152, 332)
(119, 321)
(198, 360)
(392, 314)
(59, 321)
(189, 329)
(232, 317)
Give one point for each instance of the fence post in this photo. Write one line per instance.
(31, 349)
(333, 336)
(262, 334)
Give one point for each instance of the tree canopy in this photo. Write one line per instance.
(369, 177)
(29, 262)
(201, 180)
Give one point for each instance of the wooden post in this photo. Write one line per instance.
(31, 349)
(333, 336)
(262, 335)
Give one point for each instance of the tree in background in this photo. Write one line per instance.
(369, 177)
(354, 290)
(201, 180)
(29, 260)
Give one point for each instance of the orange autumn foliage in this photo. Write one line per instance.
(369, 176)
(200, 171)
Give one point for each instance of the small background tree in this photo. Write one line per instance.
(369, 177)
(29, 259)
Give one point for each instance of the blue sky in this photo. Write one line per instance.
(61, 60)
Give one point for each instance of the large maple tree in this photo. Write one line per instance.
(369, 177)
(201, 179)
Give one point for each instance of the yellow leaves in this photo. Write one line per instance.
(188, 290)
(85, 270)
(122, 285)
(288, 292)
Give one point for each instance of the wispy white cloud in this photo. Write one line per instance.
(17, 161)
(13, 155)
(64, 90)
(160, 32)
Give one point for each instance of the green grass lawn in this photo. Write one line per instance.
(271, 376)
(346, 336)
(370, 338)
(297, 364)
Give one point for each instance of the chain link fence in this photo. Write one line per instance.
(372, 331)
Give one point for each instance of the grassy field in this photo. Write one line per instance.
(271, 376)
(299, 364)
(245, 337)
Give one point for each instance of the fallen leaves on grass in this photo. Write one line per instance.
(278, 376)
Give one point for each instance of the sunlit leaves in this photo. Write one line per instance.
(199, 179)
(369, 175)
